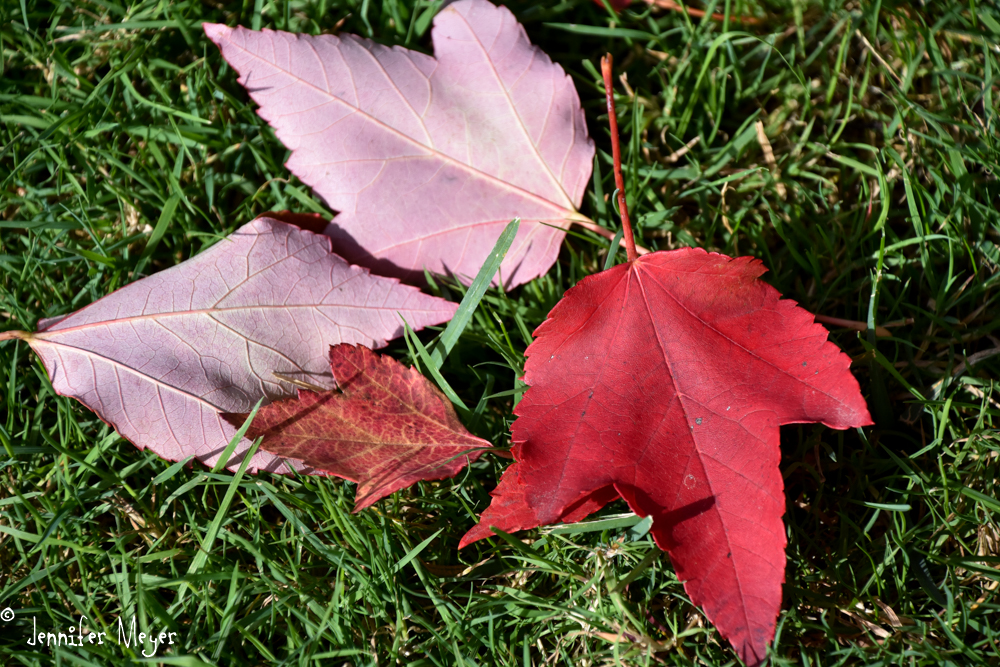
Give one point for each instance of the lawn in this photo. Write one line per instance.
(852, 147)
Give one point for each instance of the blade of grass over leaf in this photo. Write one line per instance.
(626, 521)
(487, 273)
(227, 453)
(428, 362)
(208, 541)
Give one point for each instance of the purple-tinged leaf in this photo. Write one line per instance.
(427, 159)
(161, 358)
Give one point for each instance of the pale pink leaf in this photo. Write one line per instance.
(161, 358)
(427, 159)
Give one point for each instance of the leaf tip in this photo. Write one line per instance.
(363, 501)
(478, 532)
(216, 31)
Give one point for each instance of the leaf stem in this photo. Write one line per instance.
(580, 220)
(616, 153)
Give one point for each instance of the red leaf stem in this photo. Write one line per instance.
(616, 153)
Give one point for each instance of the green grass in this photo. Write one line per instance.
(127, 146)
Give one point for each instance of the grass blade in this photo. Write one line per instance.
(473, 296)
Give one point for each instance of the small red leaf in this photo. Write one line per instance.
(666, 379)
(388, 428)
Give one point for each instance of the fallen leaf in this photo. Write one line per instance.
(664, 380)
(427, 159)
(387, 428)
(160, 358)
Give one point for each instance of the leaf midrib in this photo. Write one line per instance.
(50, 334)
(680, 398)
(135, 371)
(513, 109)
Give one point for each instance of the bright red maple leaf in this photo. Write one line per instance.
(664, 380)
(387, 428)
